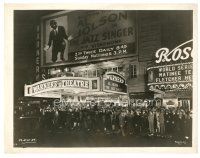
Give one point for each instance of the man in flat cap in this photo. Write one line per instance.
(57, 39)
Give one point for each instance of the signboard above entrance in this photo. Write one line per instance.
(115, 83)
(183, 53)
(111, 83)
(172, 70)
(62, 85)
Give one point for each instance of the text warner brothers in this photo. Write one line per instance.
(61, 84)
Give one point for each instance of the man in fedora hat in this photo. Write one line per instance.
(57, 39)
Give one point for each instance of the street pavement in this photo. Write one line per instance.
(75, 138)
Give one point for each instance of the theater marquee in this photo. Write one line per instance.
(173, 70)
(55, 87)
(114, 83)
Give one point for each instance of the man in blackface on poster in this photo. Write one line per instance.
(57, 36)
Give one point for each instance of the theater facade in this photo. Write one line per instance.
(171, 74)
(113, 56)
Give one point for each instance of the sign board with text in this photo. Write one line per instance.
(101, 34)
(62, 85)
(173, 70)
(114, 83)
(94, 35)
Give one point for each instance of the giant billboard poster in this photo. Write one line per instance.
(54, 39)
(102, 34)
(85, 36)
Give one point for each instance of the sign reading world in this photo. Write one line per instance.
(115, 83)
(173, 70)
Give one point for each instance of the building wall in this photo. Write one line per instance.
(149, 34)
(154, 29)
(25, 22)
(137, 84)
(176, 27)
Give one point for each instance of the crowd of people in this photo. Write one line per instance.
(124, 121)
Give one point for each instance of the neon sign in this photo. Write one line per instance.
(183, 52)
(173, 69)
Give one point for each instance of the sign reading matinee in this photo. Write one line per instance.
(173, 73)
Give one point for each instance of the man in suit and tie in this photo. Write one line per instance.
(57, 39)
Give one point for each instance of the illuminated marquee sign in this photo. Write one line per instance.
(77, 84)
(169, 77)
(181, 52)
(115, 83)
(61, 84)
(174, 76)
